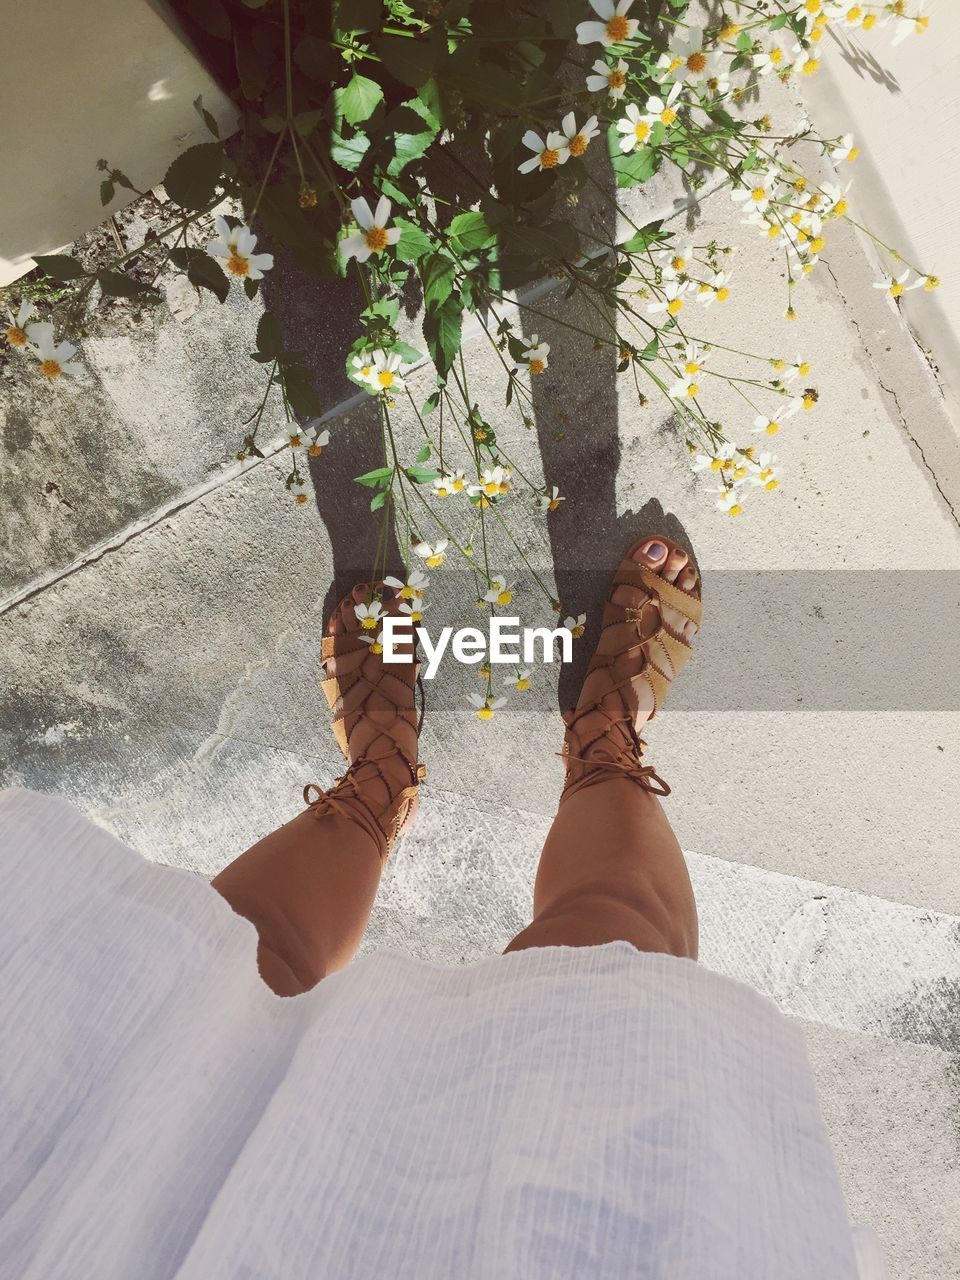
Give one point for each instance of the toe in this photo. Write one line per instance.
(688, 578)
(652, 553)
(690, 630)
(676, 560)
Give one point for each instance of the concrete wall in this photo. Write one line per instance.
(106, 78)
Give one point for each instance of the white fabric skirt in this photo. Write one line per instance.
(595, 1113)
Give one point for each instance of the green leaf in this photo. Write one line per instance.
(409, 355)
(251, 287)
(431, 402)
(116, 285)
(360, 99)
(469, 231)
(59, 266)
(378, 499)
(645, 237)
(779, 21)
(207, 274)
(649, 352)
(307, 121)
(411, 62)
(441, 328)
(437, 274)
(269, 339)
(192, 178)
(107, 191)
(421, 475)
(638, 166)
(413, 242)
(376, 479)
(349, 152)
(425, 452)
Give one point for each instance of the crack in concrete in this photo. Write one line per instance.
(890, 391)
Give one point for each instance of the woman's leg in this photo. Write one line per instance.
(310, 886)
(309, 889)
(611, 867)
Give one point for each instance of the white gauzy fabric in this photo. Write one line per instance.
(591, 1112)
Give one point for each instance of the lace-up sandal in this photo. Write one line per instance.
(601, 737)
(375, 723)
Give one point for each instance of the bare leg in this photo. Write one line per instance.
(310, 886)
(611, 867)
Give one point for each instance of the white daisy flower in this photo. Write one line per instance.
(615, 28)
(576, 626)
(317, 445)
(663, 110)
(718, 85)
(413, 608)
(578, 139)
(844, 149)
(374, 235)
(672, 300)
(369, 614)
(433, 553)
(774, 60)
(485, 707)
(361, 368)
(388, 371)
(634, 128)
(912, 26)
(685, 60)
(717, 462)
(375, 642)
(550, 499)
(613, 79)
(16, 332)
(730, 501)
(450, 482)
(520, 681)
(895, 285)
(547, 152)
(54, 357)
(764, 472)
(757, 194)
(536, 355)
(501, 591)
(235, 245)
(716, 289)
(674, 262)
(415, 585)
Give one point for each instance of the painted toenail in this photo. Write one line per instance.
(655, 550)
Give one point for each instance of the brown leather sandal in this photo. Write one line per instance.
(375, 722)
(595, 748)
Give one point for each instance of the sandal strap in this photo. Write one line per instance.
(346, 798)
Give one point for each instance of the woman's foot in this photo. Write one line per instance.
(650, 619)
(375, 719)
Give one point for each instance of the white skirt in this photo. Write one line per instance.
(595, 1113)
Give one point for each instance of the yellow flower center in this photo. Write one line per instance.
(790, 314)
(616, 79)
(812, 6)
(691, 367)
(549, 158)
(772, 428)
(854, 14)
(300, 500)
(485, 713)
(811, 66)
(840, 208)
(537, 366)
(729, 31)
(921, 25)
(504, 597)
(492, 487)
(376, 238)
(16, 336)
(415, 615)
(675, 62)
(717, 464)
(618, 28)
(578, 631)
(307, 198)
(674, 306)
(522, 686)
(931, 282)
(854, 152)
(443, 491)
(385, 378)
(896, 289)
(735, 509)
(758, 194)
(678, 263)
(776, 56)
(739, 472)
(804, 368)
(578, 144)
(869, 21)
(553, 504)
(723, 294)
(457, 486)
(696, 62)
(367, 623)
(407, 592)
(315, 450)
(668, 115)
(816, 244)
(238, 266)
(50, 368)
(693, 389)
(640, 130)
(771, 485)
(435, 561)
(504, 486)
(376, 647)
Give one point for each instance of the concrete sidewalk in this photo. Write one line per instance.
(160, 669)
